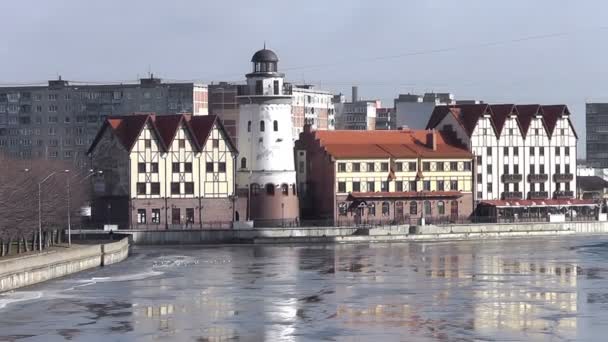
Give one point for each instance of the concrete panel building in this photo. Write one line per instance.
(596, 121)
(357, 114)
(59, 120)
(413, 111)
(164, 172)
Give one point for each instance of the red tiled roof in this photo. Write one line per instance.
(538, 203)
(405, 194)
(385, 144)
(128, 128)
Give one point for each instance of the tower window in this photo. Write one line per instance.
(276, 87)
(243, 163)
(262, 126)
(259, 87)
(275, 125)
(248, 126)
(270, 189)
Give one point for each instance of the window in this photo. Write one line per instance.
(215, 143)
(341, 167)
(440, 185)
(510, 131)
(181, 143)
(276, 88)
(386, 209)
(567, 166)
(567, 151)
(285, 189)
(275, 125)
(259, 87)
(243, 163)
(262, 126)
(189, 215)
(479, 178)
(427, 208)
(356, 186)
(148, 143)
(188, 167)
(270, 189)
(515, 151)
(371, 187)
(255, 189)
(189, 188)
(413, 186)
(505, 151)
(370, 167)
(467, 166)
(479, 160)
(155, 188)
(371, 209)
(141, 167)
(341, 186)
(383, 166)
(426, 185)
(399, 186)
(398, 167)
(154, 167)
(532, 169)
(141, 188)
(542, 151)
(426, 166)
(489, 169)
(440, 166)
(506, 169)
(561, 131)
(557, 150)
(356, 167)
(156, 216)
(248, 126)
(175, 167)
(221, 167)
(141, 216)
(175, 188)
(453, 166)
(209, 166)
(532, 150)
(411, 166)
(342, 209)
(557, 168)
(413, 208)
(489, 151)
(384, 186)
(441, 208)
(542, 168)
(516, 169)
(175, 216)
(489, 187)
(454, 185)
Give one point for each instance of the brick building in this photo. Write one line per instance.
(383, 176)
(164, 172)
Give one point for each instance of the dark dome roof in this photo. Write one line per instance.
(265, 55)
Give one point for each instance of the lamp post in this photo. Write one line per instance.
(40, 210)
(92, 172)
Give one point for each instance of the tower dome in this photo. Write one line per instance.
(264, 55)
(264, 61)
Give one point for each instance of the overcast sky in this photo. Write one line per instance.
(517, 51)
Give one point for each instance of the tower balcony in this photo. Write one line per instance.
(559, 194)
(512, 195)
(563, 177)
(511, 178)
(538, 178)
(535, 195)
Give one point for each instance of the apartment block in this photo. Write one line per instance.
(596, 121)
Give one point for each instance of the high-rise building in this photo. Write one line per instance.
(597, 134)
(357, 114)
(413, 111)
(223, 103)
(385, 119)
(60, 120)
(266, 173)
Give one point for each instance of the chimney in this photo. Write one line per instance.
(431, 139)
(355, 94)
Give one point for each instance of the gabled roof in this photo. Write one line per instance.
(525, 114)
(551, 114)
(468, 115)
(499, 114)
(128, 128)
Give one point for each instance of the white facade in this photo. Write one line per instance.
(513, 164)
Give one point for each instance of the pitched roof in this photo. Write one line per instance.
(591, 183)
(128, 128)
(499, 114)
(385, 144)
(525, 114)
(551, 114)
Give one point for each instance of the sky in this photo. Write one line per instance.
(517, 51)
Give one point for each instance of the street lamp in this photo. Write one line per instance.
(40, 210)
(92, 172)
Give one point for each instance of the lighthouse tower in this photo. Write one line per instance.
(266, 173)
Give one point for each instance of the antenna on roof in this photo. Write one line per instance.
(264, 45)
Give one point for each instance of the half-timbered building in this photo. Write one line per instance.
(164, 172)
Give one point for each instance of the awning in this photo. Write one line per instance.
(569, 202)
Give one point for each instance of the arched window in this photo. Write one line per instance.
(285, 189)
(275, 126)
(441, 208)
(255, 189)
(248, 126)
(243, 163)
(262, 126)
(413, 208)
(427, 208)
(386, 209)
(371, 209)
(270, 189)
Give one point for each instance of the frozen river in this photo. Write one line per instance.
(552, 289)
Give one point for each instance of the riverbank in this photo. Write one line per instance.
(28, 269)
(355, 234)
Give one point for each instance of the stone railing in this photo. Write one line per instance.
(538, 178)
(511, 178)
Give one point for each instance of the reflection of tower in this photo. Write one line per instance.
(266, 166)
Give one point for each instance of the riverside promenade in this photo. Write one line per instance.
(31, 268)
(355, 234)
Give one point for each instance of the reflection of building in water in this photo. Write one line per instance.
(521, 295)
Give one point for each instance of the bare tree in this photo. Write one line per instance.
(19, 198)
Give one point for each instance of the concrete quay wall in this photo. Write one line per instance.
(20, 271)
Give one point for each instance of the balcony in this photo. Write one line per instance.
(563, 194)
(512, 195)
(538, 195)
(511, 178)
(538, 178)
(563, 177)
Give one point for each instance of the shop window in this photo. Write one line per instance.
(386, 209)
(156, 216)
(141, 216)
(285, 189)
(413, 208)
